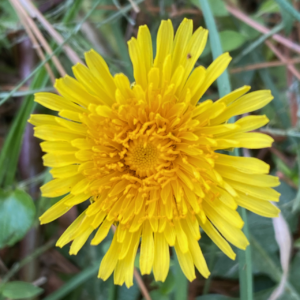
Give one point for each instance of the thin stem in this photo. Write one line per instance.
(141, 285)
(280, 39)
(264, 65)
(283, 58)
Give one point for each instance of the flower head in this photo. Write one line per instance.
(144, 156)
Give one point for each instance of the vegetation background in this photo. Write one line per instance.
(41, 40)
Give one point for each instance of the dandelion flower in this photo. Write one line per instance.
(144, 156)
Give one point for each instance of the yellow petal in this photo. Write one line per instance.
(78, 199)
(161, 257)
(60, 160)
(139, 68)
(260, 207)
(232, 96)
(55, 211)
(250, 123)
(100, 70)
(252, 140)
(198, 257)
(248, 165)
(70, 115)
(147, 249)
(54, 133)
(182, 37)
(217, 238)
(60, 186)
(263, 193)
(39, 119)
(229, 215)
(245, 104)
(145, 45)
(251, 179)
(194, 82)
(123, 84)
(58, 147)
(80, 186)
(217, 67)
(232, 234)
(181, 237)
(55, 102)
(192, 52)
(66, 237)
(72, 126)
(164, 43)
(74, 91)
(109, 260)
(92, 85)
(170, 234)
(102, 232)
(64, 172)
(80, 241)
(186, 262)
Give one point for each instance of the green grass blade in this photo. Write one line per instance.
(289, 8)
(74, 282)
(246, 284)
(245, 263)
(16, 133)
(181, 283)
(259, 41)
(216, 47)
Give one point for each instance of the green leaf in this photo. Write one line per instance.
(156, 295)
(218, 7)
(297, 243)
(17, 213)
(230, 40)
(20, 290)
(168, 285)
(215, 297)
(125, 293)
(268, 6)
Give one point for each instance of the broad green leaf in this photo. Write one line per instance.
(20, 290)
(17, 213)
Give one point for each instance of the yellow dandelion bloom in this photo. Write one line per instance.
(144, 156)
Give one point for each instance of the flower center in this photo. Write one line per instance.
(142, 157)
